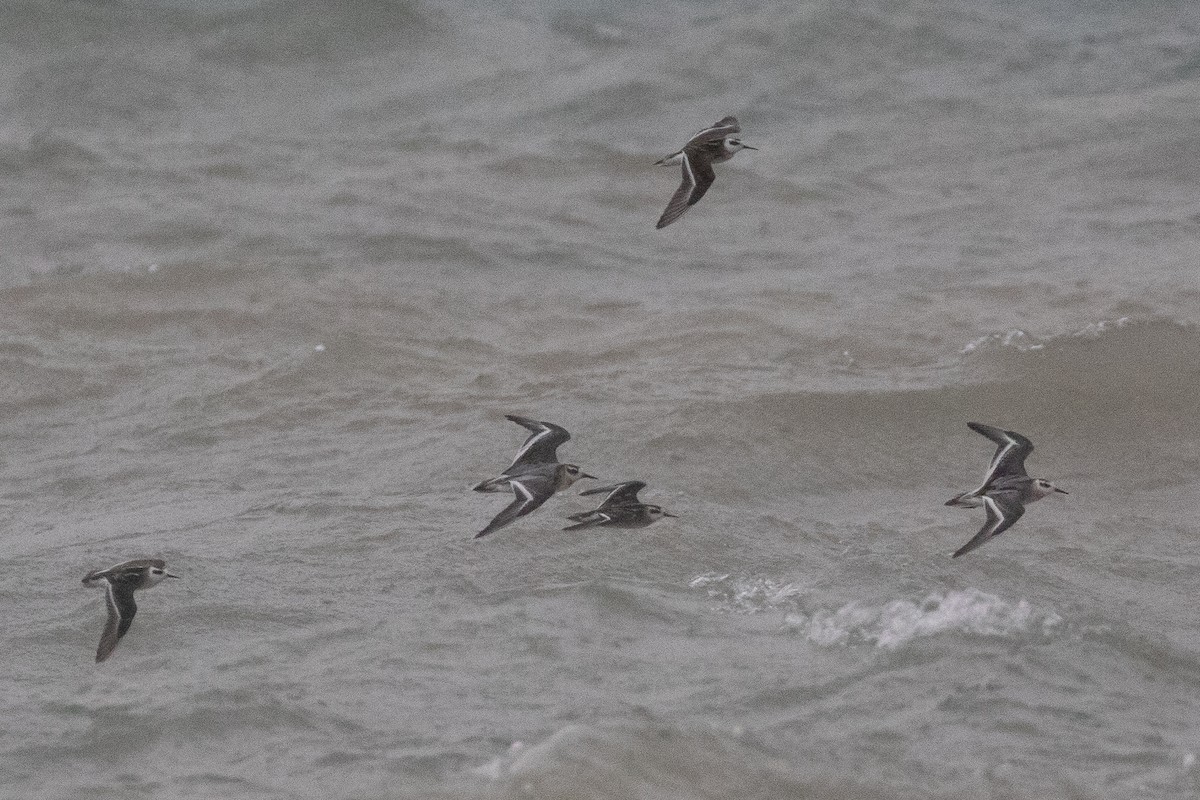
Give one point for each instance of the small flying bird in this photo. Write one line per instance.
(120, 582)
(1006, 488)
(534, 474)
(619, 509)
(710, 146)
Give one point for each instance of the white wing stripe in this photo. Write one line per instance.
(520, 487)
(529, 444)
(997, 459)
(994, 507)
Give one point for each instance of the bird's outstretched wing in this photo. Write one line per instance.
(1011, 451)
(529, 492)
(1003, 509)
(542, 445)
(718, 130)
(588, 519)
(619, 494)
(121, 609)
(698, 175)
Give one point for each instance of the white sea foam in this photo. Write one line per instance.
(1023, 341)
(1018, 339)
(1103, 326)
(893, 624)
(749, 594)
(886, 625)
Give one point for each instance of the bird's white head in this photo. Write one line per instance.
(569, 473)
(1043, 487)
(733, 145)
(154, 575)
(656, 513)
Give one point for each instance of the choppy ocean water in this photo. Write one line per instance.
(273, 273)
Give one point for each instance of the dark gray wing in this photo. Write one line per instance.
(542, 445)
(698, 175)
(1003, 509)
(679, 201)
(718, 130)
(121, 609)
(620, 494)
(1011, 451)
(530, 492)
(701, 157)
(588, 519)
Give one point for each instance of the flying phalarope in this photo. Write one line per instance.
(534, 474)
(620, 509)
(710, 146)
(1006, 487)
(121, 581)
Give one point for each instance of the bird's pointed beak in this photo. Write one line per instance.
(1061, 491)
(585, 475)
(669, 514)
(169, 575)
(748, 147)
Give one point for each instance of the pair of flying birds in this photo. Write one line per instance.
(535, 475)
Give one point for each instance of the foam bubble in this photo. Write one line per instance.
(1103, 326)
(749, 594)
